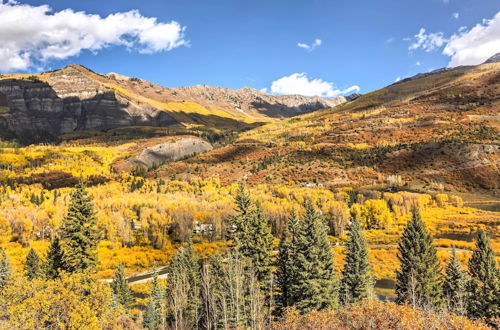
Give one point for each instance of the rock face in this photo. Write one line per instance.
(76, 98)
(252, 102)
(169, 151)
(70, 101)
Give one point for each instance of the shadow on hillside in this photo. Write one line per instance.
(36, 113)
(282, 111)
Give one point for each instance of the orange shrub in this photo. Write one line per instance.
(375, 315)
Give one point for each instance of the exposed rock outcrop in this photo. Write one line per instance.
(169, 151)
(76, 98)
(69, 101)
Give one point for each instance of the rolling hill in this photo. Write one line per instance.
(431, 132)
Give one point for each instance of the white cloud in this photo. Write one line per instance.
(390, 40)
(465, 47)
(476, 45)
(263, 90)
(310, 47)
(455, 15)
(299, 83)
(418, 63)
(397, 79)
(33, 35)
(427, 41)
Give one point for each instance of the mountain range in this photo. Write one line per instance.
(75, 98)
(436, 129)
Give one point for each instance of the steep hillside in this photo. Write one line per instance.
(75, 99)
(435, 131)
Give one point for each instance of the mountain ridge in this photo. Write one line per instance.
(76, 98)
(439, 130)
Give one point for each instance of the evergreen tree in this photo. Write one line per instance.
(285, 261)
(418, 279)
(259, 246)
(454, 293)
(184, 289)
(253, 236)
(240, 222)
(484, 284)
(153, 314)
(33, 265)
(314, 286)
(120, 287)
(243, 201)
(54, 260)
(5, 271)
(80, 233)
(357, 281)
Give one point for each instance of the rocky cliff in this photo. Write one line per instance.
(168, 151)
(67, 100)
(75, 98)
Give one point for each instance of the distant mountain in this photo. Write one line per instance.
(494, 59)
(75, 98)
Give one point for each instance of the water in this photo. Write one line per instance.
(385, 289)
(495, 206)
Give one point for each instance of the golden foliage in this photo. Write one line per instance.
(72, 302)
(373, 314)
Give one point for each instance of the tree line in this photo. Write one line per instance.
(252, 284)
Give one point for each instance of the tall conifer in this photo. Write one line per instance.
(252, 236)
(454, 293)
(357, 281)
(120, 287)
(484, 284)
(33, 265)
(79, 232)
(54, 260)
(153, 314)
(418, 278)
(285, 262)
(242, 199)
(314, 287)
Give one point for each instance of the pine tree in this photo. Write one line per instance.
(484, 284)
(259, 246)
(120, 287)
(153, 314)
(240, 222)
(454, 283)
(243, 200)
(357, 282)
(80, 233)
(418, 278)
(33, 265)
(5, 271)
(54, 260)
(314, 287)
(184, 289)
(285, 261)
(253, 236)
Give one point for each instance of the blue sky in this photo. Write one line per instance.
(234, 43)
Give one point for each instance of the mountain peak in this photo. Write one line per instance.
(494, 59)
(73, 67)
